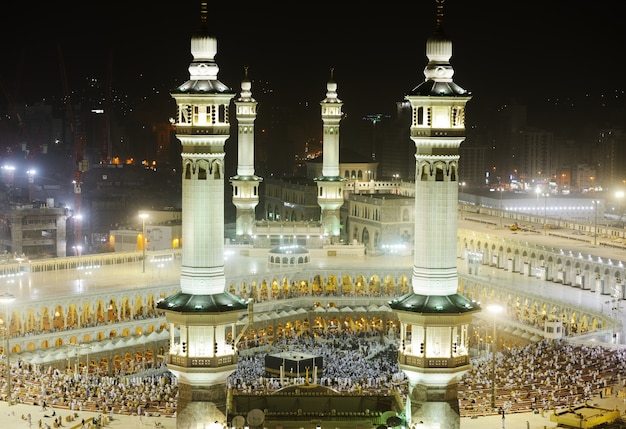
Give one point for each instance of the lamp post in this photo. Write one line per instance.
(595, 222)
(618, 196)
(31, 184)
(501, 213)
(537, 191)
(545, 214)
(143, 217)
(7, 298)
(77, 231)
(495, 310)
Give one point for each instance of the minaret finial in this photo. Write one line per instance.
(439, 19)
(203, 14)
(245, 72)
(332, 73)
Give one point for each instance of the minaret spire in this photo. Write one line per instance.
(434, 317)
(203, 14)
(245, 183)
(330, 193)
(439, 16)
(203, 313)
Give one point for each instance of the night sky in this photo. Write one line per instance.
(525, 50)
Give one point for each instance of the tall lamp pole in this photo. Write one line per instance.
(595, 223)
(618, 196)
(537, 191)
(143, 217)
(545, 214)
(495, 310)
(7, 298)
(501, 212)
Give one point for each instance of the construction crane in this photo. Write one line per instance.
(81, 164)
(107, 150)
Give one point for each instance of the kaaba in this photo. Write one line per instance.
(295, 363)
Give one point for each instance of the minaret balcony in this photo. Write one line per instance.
(249, 202)
(201, 362)
(432, 362)
(191, 130)
(437, 132)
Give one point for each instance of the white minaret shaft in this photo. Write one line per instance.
(330, 193)
(437, 129)
(245, 183)
(202, 126)
(331, 116)
(435, 318)
(246, 115)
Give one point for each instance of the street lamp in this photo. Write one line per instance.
(501, 213)
(618, 196)
(31, 184)
(77, 233)
(143, 217)
(495, 310)
(545, 213)
(595, 222)
(537, 191)
(7, 298)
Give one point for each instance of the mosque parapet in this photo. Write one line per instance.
(291, 227)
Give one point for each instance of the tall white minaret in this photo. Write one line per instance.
(245, 183)
(329, 186)
(434, 317)
(203, 353)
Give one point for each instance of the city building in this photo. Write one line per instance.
(163, 231)
(383, 222)
(35, 230)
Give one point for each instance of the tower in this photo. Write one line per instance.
(329, 185)
(245, 183)
(434, 317)
(202, 312)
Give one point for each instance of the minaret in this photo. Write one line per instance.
(329, 186)
(203, 355)
(245, 183)
(434, 317)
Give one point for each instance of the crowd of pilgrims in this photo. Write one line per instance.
(350, 363)
(76, 391)
(542, 376)
(539, 376)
